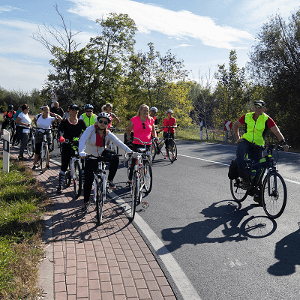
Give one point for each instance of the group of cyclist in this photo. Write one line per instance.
(94, 133)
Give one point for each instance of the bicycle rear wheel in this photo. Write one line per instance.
(172, 150)
(134, 195)
(147, 177)
(99, 201)
(238, 193)
(77, 179)
(274, 195)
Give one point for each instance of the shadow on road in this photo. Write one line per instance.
(287, 253)
(226, 216)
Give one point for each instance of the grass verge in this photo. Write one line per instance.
(22, 204)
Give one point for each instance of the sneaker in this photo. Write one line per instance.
(166, 157)
(58, 191)
(34, 167)
(111, 185)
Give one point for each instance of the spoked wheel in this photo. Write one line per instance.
(274, 195)
(44, 156)
(238, 193)
(134, 196)
(147, 177)
(172, 150)
(30, 148)
(153, 150)
(77, 179)
(67, 181)
(99, 201)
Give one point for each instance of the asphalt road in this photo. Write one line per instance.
(226, 250)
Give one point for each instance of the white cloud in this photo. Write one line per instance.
(183, 46)
(256, 12)
(149, 18)
(6, 8)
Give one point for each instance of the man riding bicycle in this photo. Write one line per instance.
(252, 141)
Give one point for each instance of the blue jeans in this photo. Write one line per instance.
(254, 153)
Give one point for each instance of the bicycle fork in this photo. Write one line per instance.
(273, 186)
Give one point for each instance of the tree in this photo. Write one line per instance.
(275, 63)
(230, 91)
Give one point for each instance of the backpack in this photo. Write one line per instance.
(233, 172)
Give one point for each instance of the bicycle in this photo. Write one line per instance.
(44, 156)
(55, 138)
(99, 186)
(74, 171)
(170, 146)
(142, 176)
(271, 187)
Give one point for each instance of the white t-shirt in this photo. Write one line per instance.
(25, 119)
(44, 123)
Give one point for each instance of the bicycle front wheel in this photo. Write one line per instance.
(77, 179)
(99, 201)
(172, 149)
(44, 156)
(134, 195)
(30, 148)
(274, 195)
(147, 177)
(238, 193)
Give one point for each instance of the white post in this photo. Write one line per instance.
(6, 138)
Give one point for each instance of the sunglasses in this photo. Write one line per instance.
(144, 126)
(101, 121)
(258, 106)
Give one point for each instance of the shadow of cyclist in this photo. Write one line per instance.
(224, 215)
(287, 252)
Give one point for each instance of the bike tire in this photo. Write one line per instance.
(274, 204)
(147, 177)
(153, 150)
(67, 180)
(99, 202)
(238, 193)
(77, 179)
(30, 148)
(134, 196)
(172, 149)
(44, 155)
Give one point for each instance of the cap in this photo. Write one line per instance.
(74, 107)
(261, 103)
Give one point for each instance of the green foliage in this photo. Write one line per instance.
(275, 65)
(21, 211)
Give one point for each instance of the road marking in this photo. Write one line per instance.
(207, 160)
(183, 284)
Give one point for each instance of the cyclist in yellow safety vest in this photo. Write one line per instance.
(88, 117)
(253, 139)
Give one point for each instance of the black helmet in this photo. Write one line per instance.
(10, 106)
(74, 107)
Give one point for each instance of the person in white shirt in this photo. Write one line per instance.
(92, 142)
(24, 121)
(43, 121)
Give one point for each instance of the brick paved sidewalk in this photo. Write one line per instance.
(111, 261)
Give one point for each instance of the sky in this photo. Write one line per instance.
(199, 32)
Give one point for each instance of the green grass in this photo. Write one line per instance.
(22, 204)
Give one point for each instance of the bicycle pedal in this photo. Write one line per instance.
(145, 204)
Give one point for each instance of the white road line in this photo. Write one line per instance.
(211, 161)
(183, 284)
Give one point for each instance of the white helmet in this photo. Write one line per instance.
(170, 111)
(104, 115)
(154, 109)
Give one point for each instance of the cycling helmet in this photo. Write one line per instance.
(170, 111)
(104, 115)
(74, 107)
(88, 106)
(10, 106)
(154, 109)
